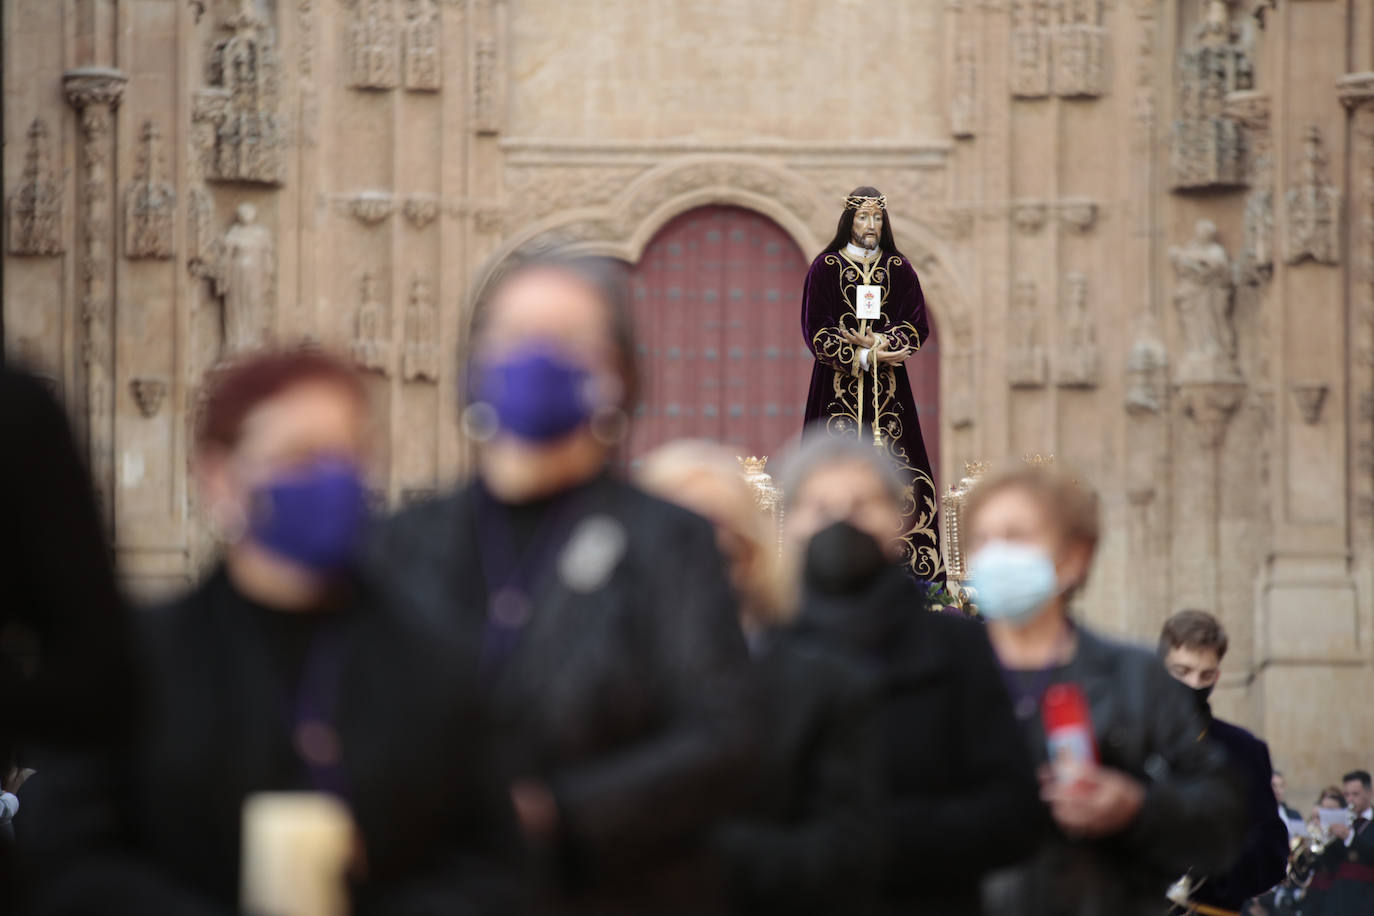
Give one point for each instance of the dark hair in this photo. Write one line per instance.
(234, 389)
(1193, 630)
(844, 230)
(1361, 775)
(1333, 793)
(608, 279)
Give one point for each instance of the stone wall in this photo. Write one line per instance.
(1143, 227)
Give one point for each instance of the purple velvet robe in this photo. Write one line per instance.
(842, 396)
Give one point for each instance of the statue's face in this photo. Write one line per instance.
(868, 226)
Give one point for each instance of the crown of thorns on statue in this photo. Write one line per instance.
(854, 201)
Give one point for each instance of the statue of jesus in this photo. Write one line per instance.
(863, 315)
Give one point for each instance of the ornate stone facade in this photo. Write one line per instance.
(1207, 144)
(34, 225)
(246, 137)
(150, 204)
(1221, 395)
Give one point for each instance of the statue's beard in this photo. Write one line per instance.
(868, 240)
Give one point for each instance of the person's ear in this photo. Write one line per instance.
(219, 494)
(1074, 561)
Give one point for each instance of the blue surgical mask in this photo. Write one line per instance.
(312, 516)
(536, 392)
(1012, 582)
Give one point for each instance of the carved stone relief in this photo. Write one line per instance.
(148, 394)
(1204, 294)
(371, 207)
(423, 66)
(963, 102)
(95, 93)
(1146, 383)
(371, 331)
(35, 206)
(1028, 215)
(1026, 365)
(1312, 208)
(1309, 397)
(1256, 262)
(1356, 92)
(247, 136)
(374, 48)
(535, 192)
(1077, 358)
(245, 281)
(486, 85)
(150, 203)
(421, 210)
(421, 363)
(1030, 49)
(1077, 214)
(1057, 47)
(1207, 149)
(1080, 51)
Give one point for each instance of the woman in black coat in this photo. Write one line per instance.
(806, 841)
(611, 652)
(961, 797)
(283, 671)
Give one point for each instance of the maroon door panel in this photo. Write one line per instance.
(718, 312)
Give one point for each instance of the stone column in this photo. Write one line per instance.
(95, 93)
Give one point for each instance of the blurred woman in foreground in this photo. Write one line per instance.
(806, 842)
(960, 792)
(283, 671)
(1137, 799)
(609, 639)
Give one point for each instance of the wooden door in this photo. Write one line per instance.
(718, 312)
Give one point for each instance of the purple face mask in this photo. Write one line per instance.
(313, 516)
(536, 392)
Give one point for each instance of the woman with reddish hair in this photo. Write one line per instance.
(285, 669)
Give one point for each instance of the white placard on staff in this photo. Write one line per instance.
(868, 302)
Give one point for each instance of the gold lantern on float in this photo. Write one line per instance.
(766, 493)
(952, 509)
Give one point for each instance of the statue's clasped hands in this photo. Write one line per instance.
(877, 346)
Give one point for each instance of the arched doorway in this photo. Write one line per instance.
(718, 309)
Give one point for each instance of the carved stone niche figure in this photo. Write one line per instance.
(151, 203)
(964, 99)
(422, 335)
(1313, 207)
(1080, 50)
(373, 46)
(423, 70)
(1204, 293)
(1030, 49)
(1207, 143)
(1146, 365)
(247, 137)
(35, 207)
(245, 280)
(371, 335)
(1025, 353)
(1077, 360)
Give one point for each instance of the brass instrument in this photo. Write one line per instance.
(1304, 851)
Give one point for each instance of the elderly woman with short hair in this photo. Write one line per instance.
(961, 794)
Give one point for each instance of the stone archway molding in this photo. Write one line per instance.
(623, 227)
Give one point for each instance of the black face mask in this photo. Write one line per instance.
(841, 559)
(1201, 696)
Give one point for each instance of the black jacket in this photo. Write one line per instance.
(1146, 725)
(155, 828)
(962, 797)
(1264, 857)
(807, 842)
(58, 580)
(1344, 882)
(626, 693)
